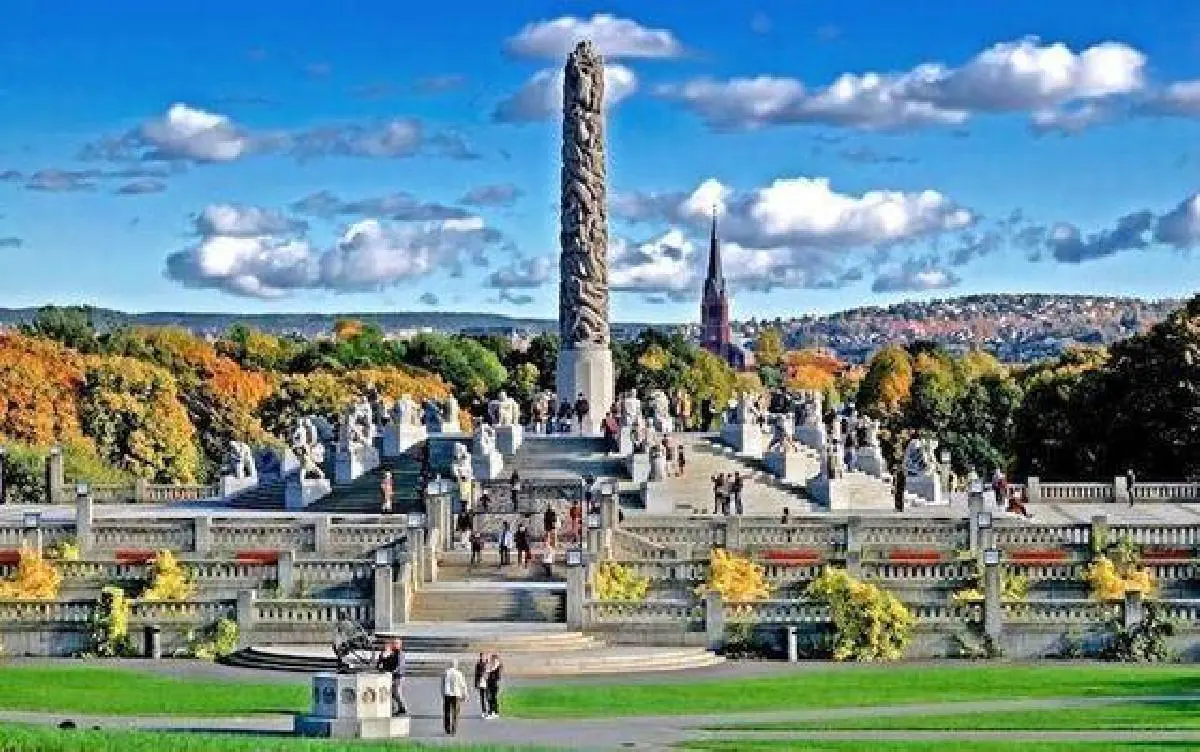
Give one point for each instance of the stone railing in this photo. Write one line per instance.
(631, 545)
(687, 613)
(1057, 612)
(295, 612)
(533, 495)
(173, 534)
(181, 612)
(777, 612)
(756, 532)
(140, 492)
(697, 532)
(889, 574)
(49, 613)
(1059, 493)
(943, 534)
(1151, 535)
(1009, 535)
(1177, 492)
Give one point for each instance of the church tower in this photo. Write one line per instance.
(714, 307)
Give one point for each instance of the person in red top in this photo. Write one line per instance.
(575, 517)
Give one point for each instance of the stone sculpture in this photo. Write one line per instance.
(504, 411)
(919, 457)
(746, 411)
(239, 461)
(309, 469)
(350, 430)
(631, 409)
(404, 412)
(781, 439)
(660, 411)
(539, 411)
(870, 432)
(450, 414)
(585, 361)
(460, 466)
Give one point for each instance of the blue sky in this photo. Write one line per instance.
(299, 156)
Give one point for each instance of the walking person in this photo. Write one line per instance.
(521, 538)
(514, 488)
(550, 524)
(1130, 481)
(718, 482)
(575, 520)
(506, 544)
(454, 692)
(476, 548)
(682, 460)
(582, 408)
(392, 662)
(386, 491)
(481, 684)
(494, 671)
(735, 490)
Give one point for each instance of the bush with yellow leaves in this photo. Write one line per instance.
(736, 578)
(170, 582)
(870, 624)
(1110, 579)
(36, 578)
(614, 582)
(64, 549)
(1014, 587)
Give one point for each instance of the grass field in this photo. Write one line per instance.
(81, 688)
(1162, 716)
(848, 686)
(15, 737)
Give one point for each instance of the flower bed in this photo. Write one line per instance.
(797, 556)
(133, 555)
(1037, 556)
(915, 556)
(257, 557)
(1165, 554)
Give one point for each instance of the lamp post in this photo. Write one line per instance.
(3, 458)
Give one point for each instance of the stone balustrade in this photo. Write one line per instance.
(1008, 535)
(943, 534)
(891, 574)
(1152, 535)
(1168, 492)
(48, 613)
(689, 613)
(192, 613)
(1062, 611)
(1062, 493)
(297, 612)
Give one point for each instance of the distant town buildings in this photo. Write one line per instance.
(716, 335)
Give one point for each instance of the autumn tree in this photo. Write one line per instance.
(888, 382)
(132, 411)
(39, 387)
(72, 326)
(769, 348)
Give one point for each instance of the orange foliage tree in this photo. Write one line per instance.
(811, 369)
(39, 388)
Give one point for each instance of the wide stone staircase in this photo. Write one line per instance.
(564, 456)
(362, 495)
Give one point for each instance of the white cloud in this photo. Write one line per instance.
(666, 264)
(189, 133)
(1179, 99)
(1020, 76)
(914, 277)
(540, 98)
(614, 37)
(260, 253)
(1180, 227)
(525, 273)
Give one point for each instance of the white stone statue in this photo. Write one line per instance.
(323, 428)
(364, 415)
(350, 430)
(658, 464)
(870, 431)
(660, 406)
(504, 411)
(812, 409)
(485, 440)
(781, 440)
(920, 457)
(306, 439)
(309, 469)
(450, 414)
(747, 409)
(460, 466)
(240, 461)
(404, 412)
(631, 409)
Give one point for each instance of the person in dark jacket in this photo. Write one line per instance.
(582, 408)
(550, 523)
(392, 662)
(521, 539)
(494, 671)
(481, 684)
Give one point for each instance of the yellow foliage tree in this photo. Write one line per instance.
(169, 580)
(736, 578)
(768, 350)
(811, 369)
(870, 624)
(614, 582)
(36, 578)
(888, 381)
(655, 358)
(40, 381)
(1109, 580)
(395, 382)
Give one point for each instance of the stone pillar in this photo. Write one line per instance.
(1134, 610)
(610, 511)
(438, 504)
(285, 572)
(1098, 534)
(974, 508)
(55, 475)
(584, 362)
(321, 537)
(246, 617)
(733, 532)
(402, 591)
(385, 598)
(576, 596)
(202, 539)
(139, 489)
(714, 620)
(3, 466)
(430, 552)
(83, 523)
(1121, 490)
(1033, 489)
(993, 607)
(854, 547)
(414, 551)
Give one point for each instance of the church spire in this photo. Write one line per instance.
(716, 278)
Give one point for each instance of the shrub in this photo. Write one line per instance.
(1109, 580)
(110, 624)
(1144, 642)
(736, 578)
(741, 641)
(64, 549)
(169, 580)
(36, 578)
(1014, 587)
(614, 582)
(869, 623)
(217, 641)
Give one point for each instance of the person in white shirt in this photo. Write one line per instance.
(454, 693)
(506, 545)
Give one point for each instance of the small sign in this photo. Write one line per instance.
(574, 557)
(383, 557)
(991, 557)
(81, 489)
(984, 520)
(593, 521)
(32, 520)
(416, 519)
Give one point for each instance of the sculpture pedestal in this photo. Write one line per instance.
(658, 468)
(792, 467)
(509, 438)
(232, 486)
(639, 467)
(298, 493)
(587, 370)
(349, 465)
(744, 438)
(487, 466)
(811, 436)
(352, 706)
(870, 460)
(927, 488)
(625, 441)
(398, 439)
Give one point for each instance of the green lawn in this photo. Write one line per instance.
(925, 746)
(1125, 716)
(81, 688)
(14, 738)
(847, 686)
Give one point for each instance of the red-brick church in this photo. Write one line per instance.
(715, 333)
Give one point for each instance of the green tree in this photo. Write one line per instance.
(769, 348)
(888, 382)
(71, 325)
